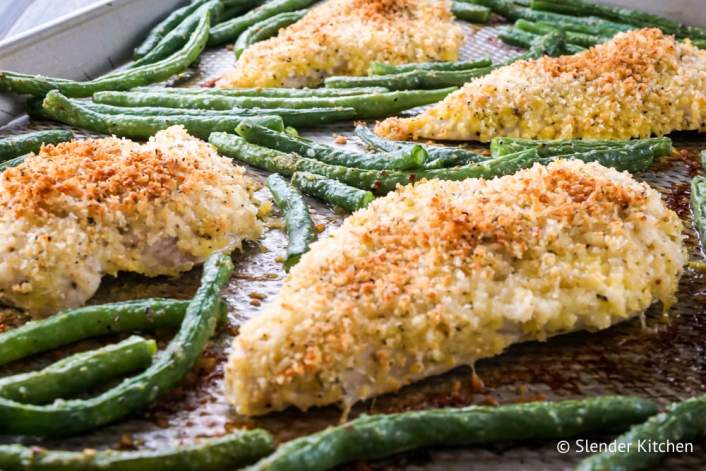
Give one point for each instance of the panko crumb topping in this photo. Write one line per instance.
(85, 208)
(343, 37)
(638, 84)
(439, 274)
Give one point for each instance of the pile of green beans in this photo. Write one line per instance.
(300, 228)
(38, 85)
(15, 146)
(231, 29)
(168, 369)
(377, 436)
(404, 159)
(60, 108)
(266, 29)
(215, 454)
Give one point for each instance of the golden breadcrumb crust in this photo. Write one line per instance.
(638, 84)
(343, 37)
(439, 274)
(85, 208)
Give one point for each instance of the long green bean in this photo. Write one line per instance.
(644, 445)
(660, 146)
(79, 372)
(176, 63)
(581, 39)
(300, 227)
(332, 191)
(61, 109)
(21, 144)
(415, 79)
(91, 321)
(371, 437)
(260, 157)
(266, 92)
(231, 29)
(698, 207)
(380, 68)
(266, 29)
(366, 106)
(405, 159)
(170, 366)
(215, 454)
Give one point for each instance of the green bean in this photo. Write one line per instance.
(469, 12)
(513, 12)
(168, 369)
(698, 207)
(379, 182)
(291, 117)
(164, 27)
(90, 321)
(332, 191)
(380, 68)
(683, 423)
(297, 221)
(439, 156)
(581, 39)
(266, 29)
(634, 159)
(21, 144)
(214, 454)
(660, 146)
(415, 79)
(124, 80)
(407, 159)
(630, 16)
(231, 8)
(377, 436)
(61, 109)
(519, 38)
(584, 29)
(231, 29)
(366, 106)
(12, 162)
(702, 159)
(266, 92)
(79, 372)
(177, 37)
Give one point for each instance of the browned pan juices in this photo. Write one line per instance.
(664, 361)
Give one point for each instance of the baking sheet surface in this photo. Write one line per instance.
(663, 360)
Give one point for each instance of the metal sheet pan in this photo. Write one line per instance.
(663, 361)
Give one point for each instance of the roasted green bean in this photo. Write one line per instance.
(215, 454)
(332, 191)
(79, 372)
(91, 321)
(297, 221)
(366, 106)
(581, 39)
(415, 79)
(380, 68)
(21, 144)
(266, 29)
(61, 109)
(660, 146)
(164, 27)
(376, 436)
(469, 12)
(266, 92)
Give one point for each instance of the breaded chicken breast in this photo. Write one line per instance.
(638, 84)
(442, 273)
(343, 37)
(87, 208)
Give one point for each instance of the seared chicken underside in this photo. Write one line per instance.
(342, 37)
(83, 209)
(640, 83)
(439, 274)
